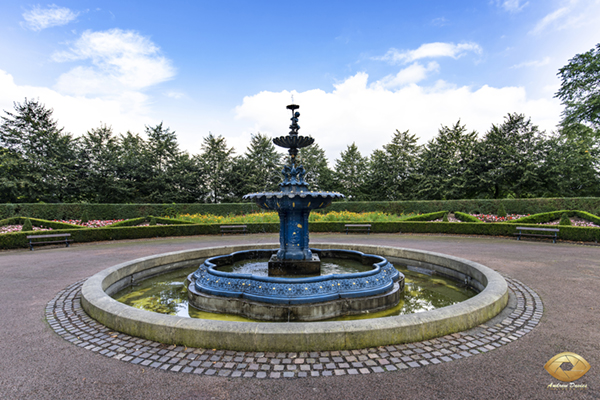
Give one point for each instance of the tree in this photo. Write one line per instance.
(392, 169)
(351, 174)
(259, 168)
(572, 164)
(217, 163)
(580, 89)
(134, 169)
(445, 167)
(318, 175)
(163, 154)
(99, 155)
(45, 154)
(509, 159)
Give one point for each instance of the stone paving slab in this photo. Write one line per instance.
(67, 318)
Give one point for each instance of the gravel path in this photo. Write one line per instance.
(36, 363)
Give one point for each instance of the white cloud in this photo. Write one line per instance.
(39, 18)
(534, 63)
(121, 61)
(128, 111)
(572, 14)
(430, 50)
(369, 114)
(441, 21)
(512, 6)
(411, 74)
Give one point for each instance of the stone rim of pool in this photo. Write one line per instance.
(300, 336)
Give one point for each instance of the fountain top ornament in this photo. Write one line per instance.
(293, 202)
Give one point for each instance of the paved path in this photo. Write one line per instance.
(36, 363)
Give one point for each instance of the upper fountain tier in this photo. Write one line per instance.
(293, 176)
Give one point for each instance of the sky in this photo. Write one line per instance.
(359, 70)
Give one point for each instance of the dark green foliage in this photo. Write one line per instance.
(351, 174)
(392, 170)
(85, 218)
(445, 218)
(445, 165)
(466, 217)
(217, 164)
(152, 221)
(27, 225)
(428, 217)
(318, 174)
(564, 220)
(579, 90)
(501, 211)
(258, 169)
(39, 153)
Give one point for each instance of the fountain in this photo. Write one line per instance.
(280, 296)
(293, 289)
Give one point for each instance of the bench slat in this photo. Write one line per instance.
(47, 236)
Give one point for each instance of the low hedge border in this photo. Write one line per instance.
(39, 223)
(426, 217)
(466, 217)
(160, 220)
(553, 216)
(574, 233)
(127, 211)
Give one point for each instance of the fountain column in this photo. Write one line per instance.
(293, 203)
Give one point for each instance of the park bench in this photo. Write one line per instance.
(549, 230)
(358, 228)
(41, 239)
(233, 229)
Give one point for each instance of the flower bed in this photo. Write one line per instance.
(17, 228)
(495, 218)
(90, 224)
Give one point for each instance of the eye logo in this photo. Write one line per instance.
(580, 367)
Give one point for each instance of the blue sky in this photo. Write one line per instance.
(359, 70)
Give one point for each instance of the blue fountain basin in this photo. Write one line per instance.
(209, 280)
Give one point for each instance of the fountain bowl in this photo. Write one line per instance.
(300, 336)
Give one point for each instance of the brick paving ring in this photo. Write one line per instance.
(67, 317)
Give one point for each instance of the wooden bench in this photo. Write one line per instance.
(233, 229)
(358, 228)
(522, 228)
(33, 239)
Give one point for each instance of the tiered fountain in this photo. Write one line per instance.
(280, 296)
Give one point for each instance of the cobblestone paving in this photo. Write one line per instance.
(67, 318)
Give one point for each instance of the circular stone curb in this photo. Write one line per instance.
(301, 336)
(67, 318)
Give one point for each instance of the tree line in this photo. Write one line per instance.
(40, 162)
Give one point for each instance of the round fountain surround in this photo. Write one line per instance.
(300, 336)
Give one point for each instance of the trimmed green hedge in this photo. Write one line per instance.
(427, 217)
(18, 239)
(164, 221)
(467, 217)
(128, 211)
(39, 223)
(553, 216)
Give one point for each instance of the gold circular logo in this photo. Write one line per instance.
(580, 367)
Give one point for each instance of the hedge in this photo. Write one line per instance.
(163, 221)
(553, 216)
(466, 217)
(427, 217)
(18, 239)
(128, 211)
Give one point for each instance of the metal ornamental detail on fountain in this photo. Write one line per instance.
(293, 203)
